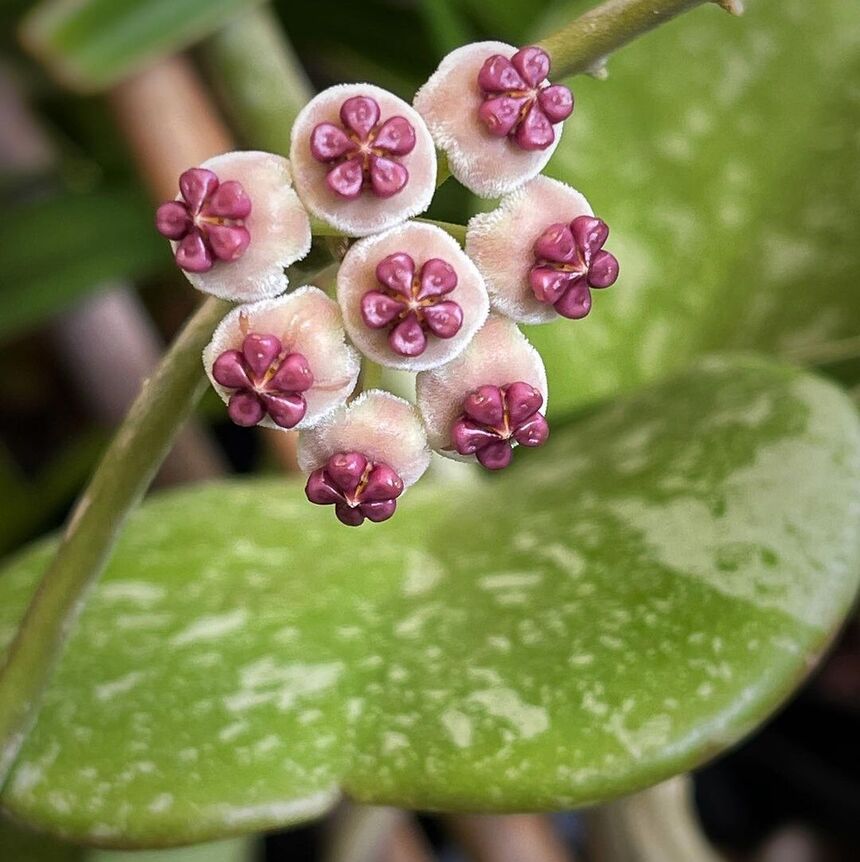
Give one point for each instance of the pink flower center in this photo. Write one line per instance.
(496, 417)
(569, 260)
(519, 103)
(267, 379)
(357, 487)
(364, 153)
(411, 302)
(208, 223)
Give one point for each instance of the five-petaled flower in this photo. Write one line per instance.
(492, 112)
(266, 380)
(208, 222)
(411, 302)
(494, 417)
(357, 487)
(364, 456)
(540, 251)
(282, 363)
(570, 259)
(364, 153)
(225, 245)
(517, 101)
(362, 159)
(411, 298)
(488, 400)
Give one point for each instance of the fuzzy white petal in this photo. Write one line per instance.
(501, 243)
(422, 242)
(307, 322)
(279, 226)
(379, 425)
(498, 354)
(486, 165)
(366, 214)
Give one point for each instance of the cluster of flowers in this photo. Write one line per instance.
(407, 295)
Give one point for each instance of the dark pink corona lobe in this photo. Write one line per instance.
(556, 243)
(604, 270)
(284, 410)
(192, 253)
(245, 408)
(408, 338)
(501, 115)
(196, 185)
(229, 201)
(329, 142)
(438, 277)
(379, 310)
(590, 233)
(360, 114)
(293, 375)
(346, 179)
(397, 136)
(556, 102)
(496, 455)
(228, 242)
(498, 75)
(260, 351)
(387, 177)
(396, 272)
(172, 220)
(522, 401)
(535, 131)
(346, 470)
(229, 370)
(532, 63)
(533, 432)
(486, 406)
(575, 303)
(444, 319)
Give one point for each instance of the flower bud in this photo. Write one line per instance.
(236, 225)
(363, 456)
(282, 363)
(411, 298)
(492, 111)
(363, 159)
(541, 252)
(488, 400)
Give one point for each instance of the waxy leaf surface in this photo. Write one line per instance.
(627, 602)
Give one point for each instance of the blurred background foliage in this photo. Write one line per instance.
(725, 157)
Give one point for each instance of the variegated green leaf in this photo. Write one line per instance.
(625, 603)
(723, 154)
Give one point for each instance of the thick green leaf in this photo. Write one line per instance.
(20, 845)
(55, 251)
(92, 44)
(630, 600)
(723, 153)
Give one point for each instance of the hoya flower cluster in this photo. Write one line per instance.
(407, 295)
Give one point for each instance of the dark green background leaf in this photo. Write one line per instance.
(54, 251)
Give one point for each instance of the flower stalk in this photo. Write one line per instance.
(119, 482)
(585, 43)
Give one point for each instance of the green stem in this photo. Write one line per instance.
(120, 480)
(584, 44)
(258, 77)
